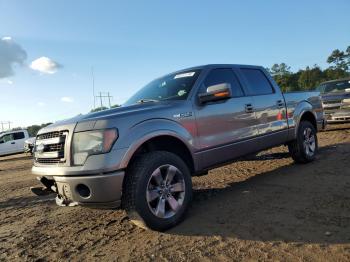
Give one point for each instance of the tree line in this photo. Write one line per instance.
(310, 77)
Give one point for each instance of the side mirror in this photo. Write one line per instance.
(215, 93)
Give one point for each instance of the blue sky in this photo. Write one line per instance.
(130, 43)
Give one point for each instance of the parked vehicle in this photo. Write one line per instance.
(29, 145)
(336, 100)
(12, 142)
(142, 155)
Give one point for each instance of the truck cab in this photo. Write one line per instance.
(12, 142)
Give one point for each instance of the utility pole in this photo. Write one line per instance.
(103, 95)
(109, 100)
(5, 122)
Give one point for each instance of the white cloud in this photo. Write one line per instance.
(11, 54)
(6, 81)
(41, 104)
(6, 38)
(45, 65)
(67, 99)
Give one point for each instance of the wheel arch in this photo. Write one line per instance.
(169, 136)
(303, 111)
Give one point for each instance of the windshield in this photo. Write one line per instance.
(171, 87)
(337, 86)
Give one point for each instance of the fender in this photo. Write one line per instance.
(146, 130)
(298, 112)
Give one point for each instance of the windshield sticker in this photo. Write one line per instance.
(181, 92)
(188, 74)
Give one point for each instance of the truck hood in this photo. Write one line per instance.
(119, 111)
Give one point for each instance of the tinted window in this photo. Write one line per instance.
(220, 76)
(7, 138)
(257, 81)
(18, 135)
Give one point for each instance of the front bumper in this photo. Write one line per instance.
(102, 190)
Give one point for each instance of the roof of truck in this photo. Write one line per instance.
(13, 131)
(209, 66)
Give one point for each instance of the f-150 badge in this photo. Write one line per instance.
(183, 115)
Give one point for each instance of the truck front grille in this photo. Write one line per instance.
(50, 147)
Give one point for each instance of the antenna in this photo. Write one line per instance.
(93, 86)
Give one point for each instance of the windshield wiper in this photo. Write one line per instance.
(146, 100)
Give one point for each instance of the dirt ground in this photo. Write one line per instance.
(262, 208)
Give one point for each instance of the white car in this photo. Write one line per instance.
(12, 142)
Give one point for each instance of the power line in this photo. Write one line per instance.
(104, 95)
(5, 123)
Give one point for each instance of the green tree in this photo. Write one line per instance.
(310, 78)
(33, 130)
(282, 75)
(115, 106)
(340, 59)
(97, 109)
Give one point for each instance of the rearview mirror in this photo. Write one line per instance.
(215, 93)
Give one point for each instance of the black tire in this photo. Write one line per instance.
(137, 187)
(298, 150)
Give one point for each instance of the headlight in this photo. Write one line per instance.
(92, 143)
(346, 101)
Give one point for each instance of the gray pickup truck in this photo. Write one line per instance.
(142, 155)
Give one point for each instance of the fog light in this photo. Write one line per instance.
(83, 191)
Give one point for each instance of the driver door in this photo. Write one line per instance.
(7, 144)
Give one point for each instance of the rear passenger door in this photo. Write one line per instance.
(268, 102)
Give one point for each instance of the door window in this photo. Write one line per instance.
(18, 135)
(257, 81)
(224, 75)
(6, 138)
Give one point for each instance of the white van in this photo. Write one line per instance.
(12, 142)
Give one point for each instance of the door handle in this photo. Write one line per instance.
(12, 143)
(280, 103)
(249, 108)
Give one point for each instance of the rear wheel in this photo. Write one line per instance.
(157, 190)
(304, 148)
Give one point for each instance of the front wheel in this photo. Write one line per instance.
(304, 148)
(157, 190)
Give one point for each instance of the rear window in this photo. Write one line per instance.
(257, 81)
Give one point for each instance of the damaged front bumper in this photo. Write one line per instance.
(100, 190)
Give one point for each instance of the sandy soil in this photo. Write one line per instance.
(262, 208)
